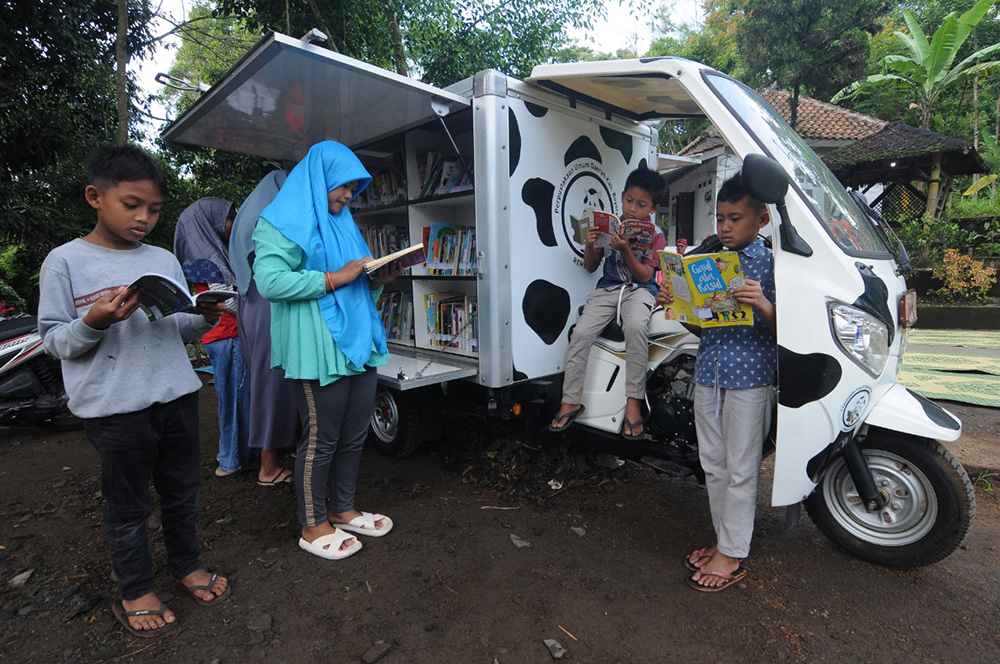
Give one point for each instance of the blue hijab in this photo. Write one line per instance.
(240, 240)
(301, 213)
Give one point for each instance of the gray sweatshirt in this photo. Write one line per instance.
(132, 364)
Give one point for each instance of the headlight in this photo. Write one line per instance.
(862, 337)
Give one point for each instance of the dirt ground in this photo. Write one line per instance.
(602, 576)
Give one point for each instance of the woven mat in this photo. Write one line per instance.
(969, 338)
(952, 376)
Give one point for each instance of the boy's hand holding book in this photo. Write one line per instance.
(114, 307)
(210, 311)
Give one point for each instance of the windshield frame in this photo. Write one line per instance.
(846, 203)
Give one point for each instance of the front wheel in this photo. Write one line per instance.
(929, 503)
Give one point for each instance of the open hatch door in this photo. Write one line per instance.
(285, 95)
(644, 89)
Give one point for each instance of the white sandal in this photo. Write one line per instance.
(365, 525)
(328, 546)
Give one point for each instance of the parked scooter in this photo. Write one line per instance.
(884, 490)
(31, 388)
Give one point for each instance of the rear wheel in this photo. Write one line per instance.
(394, 425)
(929, 503)
(64, 421)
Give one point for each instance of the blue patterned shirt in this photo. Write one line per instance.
(740, 357)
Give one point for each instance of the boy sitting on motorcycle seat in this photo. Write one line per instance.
(626, 290)
(734, 394)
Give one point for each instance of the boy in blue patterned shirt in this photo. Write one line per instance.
(734, 394)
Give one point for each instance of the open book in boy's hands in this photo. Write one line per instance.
(639, 232)
(161, 296)
(701, 285)
(414, 255)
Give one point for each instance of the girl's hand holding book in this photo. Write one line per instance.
(345, 275)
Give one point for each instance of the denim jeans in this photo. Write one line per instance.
(232, 385)
(158, 443)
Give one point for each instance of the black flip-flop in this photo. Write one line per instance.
(569, 417)
(632, 425)
(218, 599)
(274, 481)
(118, 609)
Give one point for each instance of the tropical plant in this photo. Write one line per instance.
(965, 279)
(928, 67)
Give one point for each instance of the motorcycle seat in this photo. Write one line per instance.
(17, 326)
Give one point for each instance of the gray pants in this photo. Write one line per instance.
(602, 308)
(730, 442)
(335, 419)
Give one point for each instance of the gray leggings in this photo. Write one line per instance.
(335, 421)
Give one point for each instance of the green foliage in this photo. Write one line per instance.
(927, 242)
(928, 67)
(10, 273)
(808, 46)
(965, 279)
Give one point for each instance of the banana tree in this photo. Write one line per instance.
(929, 66)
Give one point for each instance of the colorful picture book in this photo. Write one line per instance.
(701, 285)
(440, 174)
(452, 321)
(639, 232)
(388, 186)
(451, 249)
(395, 308)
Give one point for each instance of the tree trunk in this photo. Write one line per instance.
(925, 114)
(932, 188)
(398, 52)
(793, 106)
(330, 43)
(121, 81)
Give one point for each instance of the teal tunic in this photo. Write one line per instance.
(301, 343)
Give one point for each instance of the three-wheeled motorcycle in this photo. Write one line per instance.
(492, 320)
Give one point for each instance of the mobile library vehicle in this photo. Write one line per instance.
(500, 171)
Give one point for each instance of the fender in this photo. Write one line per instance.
(905, 411)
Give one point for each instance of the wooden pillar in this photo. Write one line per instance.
(933, 188)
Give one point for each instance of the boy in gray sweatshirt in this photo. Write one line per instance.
(131, 381)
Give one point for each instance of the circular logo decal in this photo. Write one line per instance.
(584, 186)
(854, 408)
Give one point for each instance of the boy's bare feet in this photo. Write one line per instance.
(699, 557)
(715, 571)
(200, 577)
(311, 534)
(150, 622)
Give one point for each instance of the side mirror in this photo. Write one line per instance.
(764, 179)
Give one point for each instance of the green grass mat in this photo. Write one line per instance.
(921, 361)
(973, 388)
(970, 338)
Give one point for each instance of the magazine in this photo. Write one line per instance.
(701, 285)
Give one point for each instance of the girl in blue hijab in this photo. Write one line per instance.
(326, 336)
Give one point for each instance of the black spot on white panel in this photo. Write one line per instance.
(518, 375)
(546, 309)
(582, 148)
(803, 379)
(535, 109)
(875, 299)
(515, 141)
(616, 140)
(537, 194)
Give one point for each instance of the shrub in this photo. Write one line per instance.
(965, 279)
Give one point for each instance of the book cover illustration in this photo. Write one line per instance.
(639, 232)
(701, 286)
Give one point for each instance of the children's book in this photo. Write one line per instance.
(701, 285)
(161, 296)
(639, 232)
(413, 255)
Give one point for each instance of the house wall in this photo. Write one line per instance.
(704, 182)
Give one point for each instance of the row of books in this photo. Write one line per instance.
(388, 186)
(442, 175)
(396, 310)
(384, 240)
(452, 321)
(451, 249)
